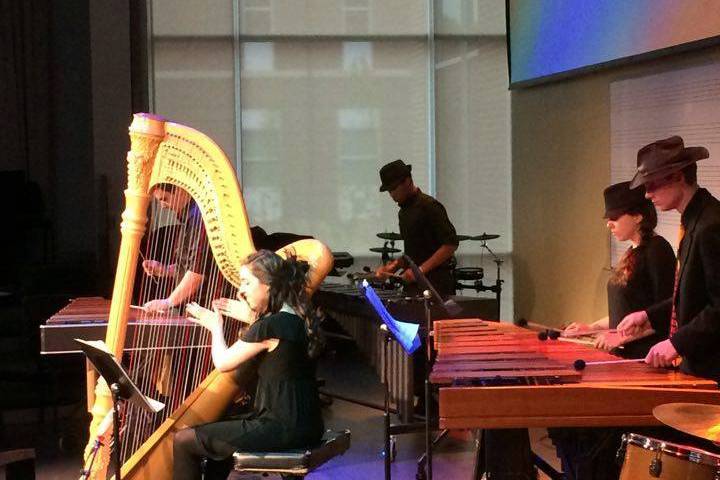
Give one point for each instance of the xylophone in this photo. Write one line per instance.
(498, 375)
(87, 318)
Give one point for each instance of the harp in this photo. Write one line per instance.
(167, 153)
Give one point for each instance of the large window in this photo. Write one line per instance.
(309, 98)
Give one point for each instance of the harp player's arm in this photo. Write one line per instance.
(226, 358)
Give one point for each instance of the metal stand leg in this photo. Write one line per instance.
(115, 390)
(386, 414)
(479, 461)
(428, 393)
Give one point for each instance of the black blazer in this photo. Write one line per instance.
(698, 296)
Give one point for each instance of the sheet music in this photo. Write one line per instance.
(683, 102)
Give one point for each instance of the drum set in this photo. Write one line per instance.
(646, 458)
(465, 277)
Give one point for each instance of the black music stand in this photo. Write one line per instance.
(452, 309)
(121, 387)
(406, 335)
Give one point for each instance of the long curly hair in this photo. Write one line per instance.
(287, 279)
(624, 270)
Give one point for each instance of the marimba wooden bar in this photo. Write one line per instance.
(497, 375)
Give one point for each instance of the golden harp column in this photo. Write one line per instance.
(146, 133)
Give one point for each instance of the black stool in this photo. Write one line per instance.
(294, 463)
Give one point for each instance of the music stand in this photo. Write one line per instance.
(452, 309)
(121, 387)
(406, 334)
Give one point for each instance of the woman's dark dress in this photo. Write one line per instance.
(652, 281)
(589, 453)
(286, 411)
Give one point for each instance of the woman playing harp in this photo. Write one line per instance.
(286, 413)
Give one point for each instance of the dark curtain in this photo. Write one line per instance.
(24, 124)
(24, 99)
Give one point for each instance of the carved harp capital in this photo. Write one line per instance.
(146, 133)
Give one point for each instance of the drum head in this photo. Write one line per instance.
(469, 273)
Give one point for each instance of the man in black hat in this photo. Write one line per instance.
(668, 170)
(429, 236)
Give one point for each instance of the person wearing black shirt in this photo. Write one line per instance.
(429, 237)
(192, 260)
(644, 275)
(668, 170)
(286, 412)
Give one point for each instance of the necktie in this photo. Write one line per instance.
(673, 314)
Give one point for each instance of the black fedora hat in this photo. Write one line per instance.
(620, 199)
(663, 157)
(393, 173)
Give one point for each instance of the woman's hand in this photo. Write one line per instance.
(576, 328)
(237, 309)
(609, 340)
(204, 317)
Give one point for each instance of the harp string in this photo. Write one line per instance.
(183, 351)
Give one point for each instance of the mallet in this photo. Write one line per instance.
(580, 364)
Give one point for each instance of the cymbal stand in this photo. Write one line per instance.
(387, 255)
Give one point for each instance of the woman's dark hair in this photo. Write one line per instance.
(287, 279)
(625, 268)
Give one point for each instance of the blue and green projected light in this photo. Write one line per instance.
(550, 37)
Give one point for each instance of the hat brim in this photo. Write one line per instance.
(391, 186)
(614, 213)
(689, 156)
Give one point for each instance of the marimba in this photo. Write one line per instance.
(497, 375)
(87, 318)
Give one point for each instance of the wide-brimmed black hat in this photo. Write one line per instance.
(660, 159)
(393, 173)
(620, 199)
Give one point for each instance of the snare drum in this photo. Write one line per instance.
(647, 458)
(469, 273)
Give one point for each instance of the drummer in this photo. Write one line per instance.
(644, 275)
(429, 236)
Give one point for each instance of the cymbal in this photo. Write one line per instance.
(385, 250)
(486, 236)
(389, 236)
(699, 419)
(462, 238)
